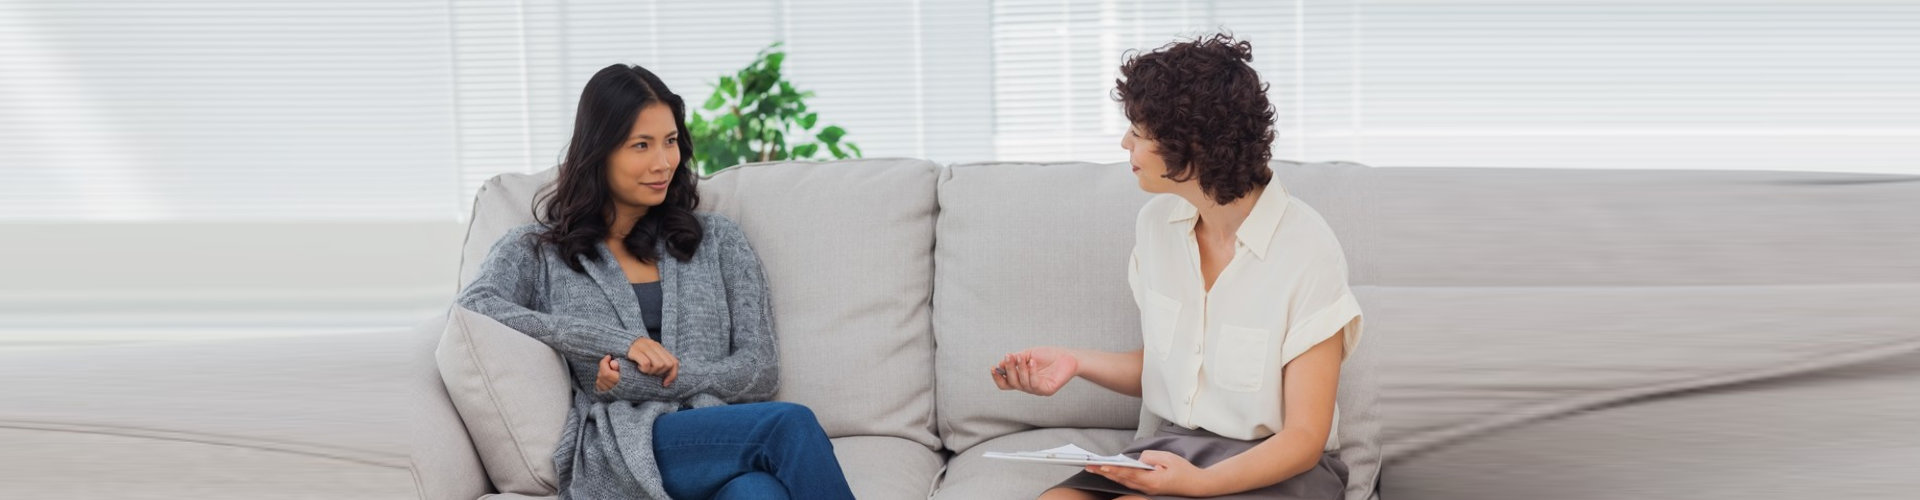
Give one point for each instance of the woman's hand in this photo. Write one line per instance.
(1171, 475)
(1040, 370)
(609, 374)
(653, 359)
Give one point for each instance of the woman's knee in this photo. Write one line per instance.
(1068, 494)
(791, 428)
(752, 486)
(791, 416)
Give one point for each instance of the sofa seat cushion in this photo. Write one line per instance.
(232, 418)
(1459, 362)
(970, 475)
(95, 463)
(1841, 433)
(887, 468)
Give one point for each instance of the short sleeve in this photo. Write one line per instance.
(1140, 237)
(1133, 278)
(1321, 306)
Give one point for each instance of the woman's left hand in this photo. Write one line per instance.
(1171, 475)
(609, 374)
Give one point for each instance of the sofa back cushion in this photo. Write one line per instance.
(1567, 227)
(848, 249)
(503, 203)
(1027, 255)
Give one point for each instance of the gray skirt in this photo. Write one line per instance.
(1325, 481)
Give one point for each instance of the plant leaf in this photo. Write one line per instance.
(729, 86)
(806, 122)
(856, 149)
(773, 61)
(832, 134)
(715, 101)
(805, 151)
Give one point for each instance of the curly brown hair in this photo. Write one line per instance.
(1208, 111)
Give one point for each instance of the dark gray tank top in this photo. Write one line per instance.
(650, 296)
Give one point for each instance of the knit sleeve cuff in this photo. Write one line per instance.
(609, 341)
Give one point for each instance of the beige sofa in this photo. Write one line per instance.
(1565, 334)
(1530, 333)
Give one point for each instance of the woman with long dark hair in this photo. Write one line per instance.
(661, 313)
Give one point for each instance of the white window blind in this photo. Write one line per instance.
(381, 110)
(904, 78)
(1800, 85)
(224, 109)
(1720, 84)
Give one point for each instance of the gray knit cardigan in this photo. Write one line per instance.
(716, 319)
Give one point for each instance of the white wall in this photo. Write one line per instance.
(102, 282)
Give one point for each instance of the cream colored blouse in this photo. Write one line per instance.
(1213, 359)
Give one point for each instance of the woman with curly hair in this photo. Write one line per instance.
(1245, 310)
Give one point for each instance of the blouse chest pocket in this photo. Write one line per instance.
(1239, 360)
(1159, 316)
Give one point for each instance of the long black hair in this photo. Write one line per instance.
(580, 204)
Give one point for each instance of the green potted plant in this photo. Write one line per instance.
(753, 115)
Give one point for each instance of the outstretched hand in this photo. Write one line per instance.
(1039, 371)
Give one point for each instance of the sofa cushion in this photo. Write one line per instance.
(512, 393)
(1842, 433)
(877, 467)
(848, 247)
(1031, 254)
(970, 475)
(317, 415)
(1567, 227)
(887, 468)
(504, 202)
(76, 463)
(1459, 362)
(1361, 419)
(444, 462)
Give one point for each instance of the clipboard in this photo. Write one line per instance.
(1068, 455)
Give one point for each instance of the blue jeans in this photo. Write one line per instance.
(756, 450)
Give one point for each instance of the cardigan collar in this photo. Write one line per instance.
(613, 283)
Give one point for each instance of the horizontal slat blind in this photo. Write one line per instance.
(1722, 84)
(903, 78)
(356, 110)
(1771, 84)
(225, 109)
